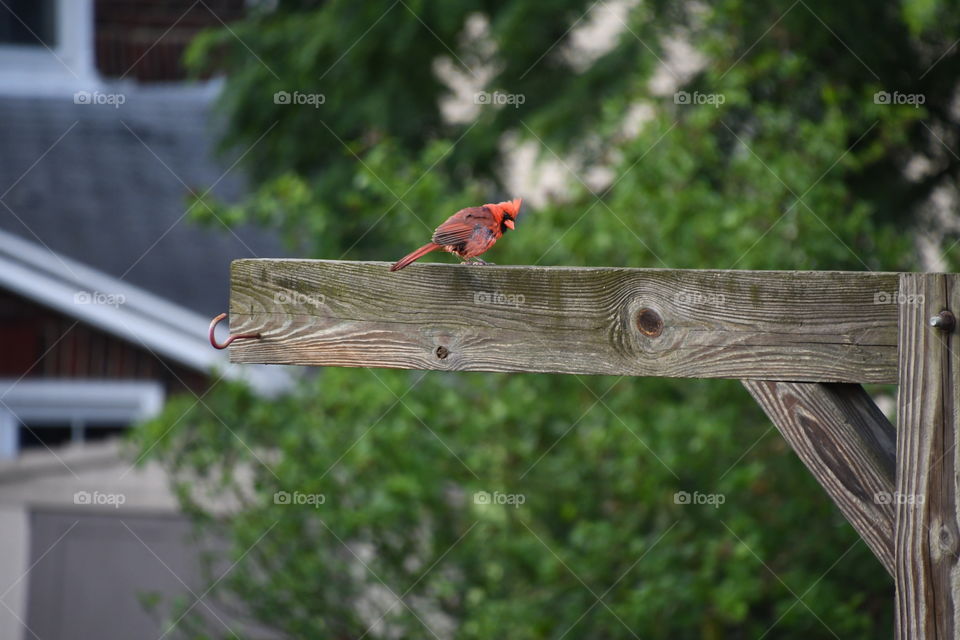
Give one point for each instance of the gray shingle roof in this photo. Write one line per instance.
(115, 202)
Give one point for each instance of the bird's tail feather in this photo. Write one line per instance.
(419, 253)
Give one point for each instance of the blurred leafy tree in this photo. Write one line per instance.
(804, 165)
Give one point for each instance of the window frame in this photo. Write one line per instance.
(67, 66)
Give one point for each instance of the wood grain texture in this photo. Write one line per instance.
(799, 326)
(927, 527)
(847, 444)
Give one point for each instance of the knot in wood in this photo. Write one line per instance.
(649, 322)
(944, 538)
(442, 352)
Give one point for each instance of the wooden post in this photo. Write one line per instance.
(847, 444)
(927, 527)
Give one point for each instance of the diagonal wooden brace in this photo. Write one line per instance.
(847, 444)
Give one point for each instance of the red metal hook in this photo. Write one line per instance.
(213, 338)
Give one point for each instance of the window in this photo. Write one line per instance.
(46, 47)
(42, 413)
(28, 22)
(45, 435)
(40, 436)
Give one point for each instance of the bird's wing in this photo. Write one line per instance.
(461, 226)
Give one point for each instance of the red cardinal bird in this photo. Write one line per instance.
(469, 232)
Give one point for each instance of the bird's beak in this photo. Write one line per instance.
(509, 223)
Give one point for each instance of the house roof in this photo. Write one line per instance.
(145, 320)
(93, 202)
(107, 184)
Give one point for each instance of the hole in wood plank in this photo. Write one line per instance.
(649, 322)
(442, 352)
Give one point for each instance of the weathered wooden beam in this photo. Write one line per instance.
(928, 512)
(797, 326)
(847, 444)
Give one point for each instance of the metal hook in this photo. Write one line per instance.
(213, 338)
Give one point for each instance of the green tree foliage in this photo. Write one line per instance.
(804, 165)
